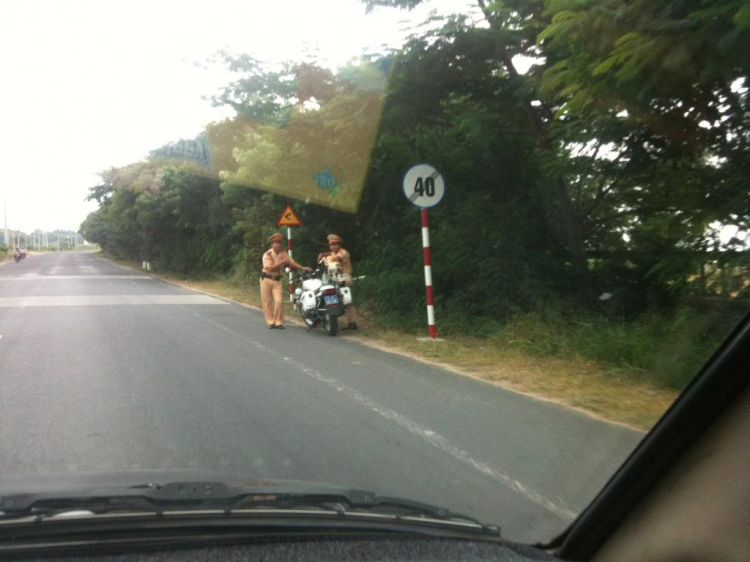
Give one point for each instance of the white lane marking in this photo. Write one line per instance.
(108, 300)
(427, 434)
(37, 277)
(1, 336)
(445, 445)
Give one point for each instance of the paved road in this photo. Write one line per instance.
(103, 368)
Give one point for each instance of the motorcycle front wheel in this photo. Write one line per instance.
(331, 324)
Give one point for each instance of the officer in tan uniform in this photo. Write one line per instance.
(337, 253)
(274, 262)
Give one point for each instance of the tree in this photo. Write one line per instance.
(164, 213)
(669, 80)
(512, 29)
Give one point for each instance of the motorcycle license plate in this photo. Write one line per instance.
(331, 300)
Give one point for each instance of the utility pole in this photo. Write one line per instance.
(5, 233)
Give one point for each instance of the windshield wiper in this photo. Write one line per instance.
(161, 499)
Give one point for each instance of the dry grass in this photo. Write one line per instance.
(586, 385)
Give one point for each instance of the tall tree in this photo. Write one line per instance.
(514, 25)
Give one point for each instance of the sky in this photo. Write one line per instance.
(90, 84)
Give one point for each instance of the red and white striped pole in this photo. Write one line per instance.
(428, 274)
(289, 251)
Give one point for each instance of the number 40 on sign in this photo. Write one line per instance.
(424, 186)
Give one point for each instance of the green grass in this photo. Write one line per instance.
(665, 349)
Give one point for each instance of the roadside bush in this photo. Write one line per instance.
(667, 349)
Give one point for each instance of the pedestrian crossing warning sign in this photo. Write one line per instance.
(288, 218)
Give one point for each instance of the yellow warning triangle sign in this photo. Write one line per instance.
(288, 218)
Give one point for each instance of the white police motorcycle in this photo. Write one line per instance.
(321, 299)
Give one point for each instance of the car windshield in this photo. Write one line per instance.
(461, 252)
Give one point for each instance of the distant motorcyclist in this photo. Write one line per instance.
(338, 254)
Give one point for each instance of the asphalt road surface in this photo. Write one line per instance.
(106, 369)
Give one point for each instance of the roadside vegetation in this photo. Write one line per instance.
(597, 207)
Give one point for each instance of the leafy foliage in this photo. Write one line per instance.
(181, 225)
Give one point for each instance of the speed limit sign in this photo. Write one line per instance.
(424, 186)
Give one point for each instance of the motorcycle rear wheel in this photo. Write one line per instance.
(331, 324)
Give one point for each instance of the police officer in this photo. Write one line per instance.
(274, 262)
(336, 252)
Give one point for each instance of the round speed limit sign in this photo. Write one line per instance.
(424, 186)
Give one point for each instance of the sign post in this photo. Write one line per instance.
(289, 251)
(425, 187)
(289, 219)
